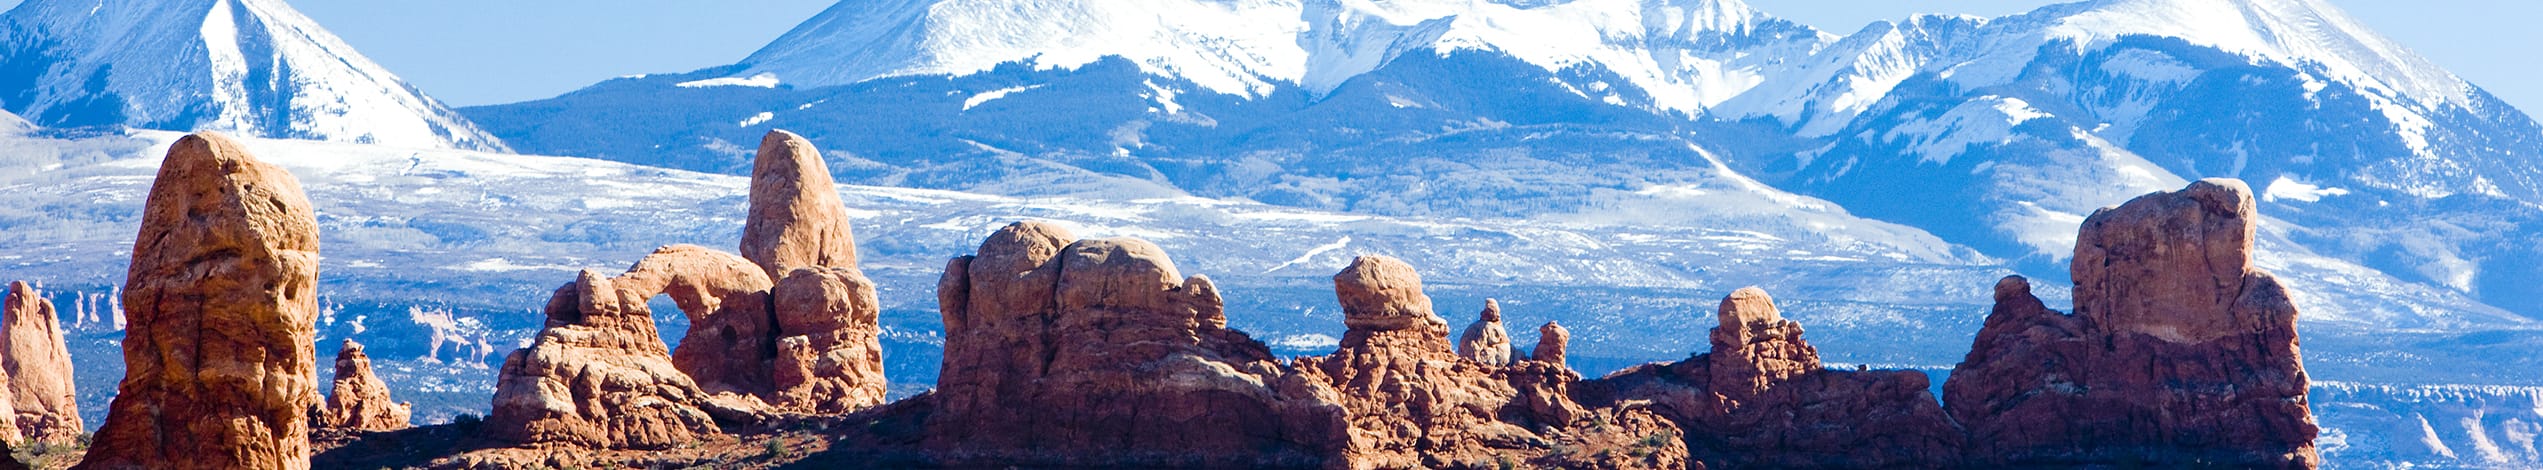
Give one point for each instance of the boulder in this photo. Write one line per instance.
(1485, 341)
(360, 400)
(796, 219)
(1066, 352)
(39, 369)
(830, 356)
(597, 376)
(1762, 399)
(1409, 401)
(2181, 352)
(222, 307)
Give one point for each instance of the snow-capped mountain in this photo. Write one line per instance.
(1688, 54)
(248, 67)
(2365, 151)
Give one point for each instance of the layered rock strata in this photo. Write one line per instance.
(38, 363)
(1762, 399)
(360, 400)
(222, 305)
(2180, 351)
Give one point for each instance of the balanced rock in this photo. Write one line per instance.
(1065, 352)
(2180, 352)
(1485, 341)
(39, 369)
(1762, 399)
(796, 219)
(360, 400)
(1410, 402)
(830, 356)
(222, 308)
(1552, 340)
(598, 376)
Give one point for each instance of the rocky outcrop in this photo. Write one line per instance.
(38, 363)
(222, 303)
(732, 337)
(796, 218)
(1761, 399)
(2180, 352)
(360, 400)
(1552, 340)
(1485, 341)
(597, 376)
(831, 358)
(1409, 401)
(1072, 352)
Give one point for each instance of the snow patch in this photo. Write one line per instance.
(764, 80)
(992, 95)
(757, 119)
(2288, 189)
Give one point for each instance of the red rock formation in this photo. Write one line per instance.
(796, 219)
(2180, 352)
(1410, 402)
(222, 304)
(1485, 341)
(41, 391)
(831, 359)
(829, 351)
(1098, 352)
(597, 376)
(1552, 340)
(732, 337)
(1761, 399)
(360, 400)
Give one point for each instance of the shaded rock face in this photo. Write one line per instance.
(597, 376)
(1485, 341)
(2180, 352)
(360, 400)
(796, 218)
(1061, 351)
(39, 369)
(732, 335)
(222, 305)
(1409, 401)
(831, 357)
(1761, 399)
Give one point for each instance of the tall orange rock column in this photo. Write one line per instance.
(829, 351)
(39, 369)
(222, 303)
(2180, 352)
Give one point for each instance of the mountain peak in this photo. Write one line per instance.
(250, 67)
(2289, 31)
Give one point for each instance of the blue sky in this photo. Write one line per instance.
(473, 52)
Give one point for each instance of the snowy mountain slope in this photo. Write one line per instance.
(439, 260)
(1687, 54)
(250, 67)
(2364, 152)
